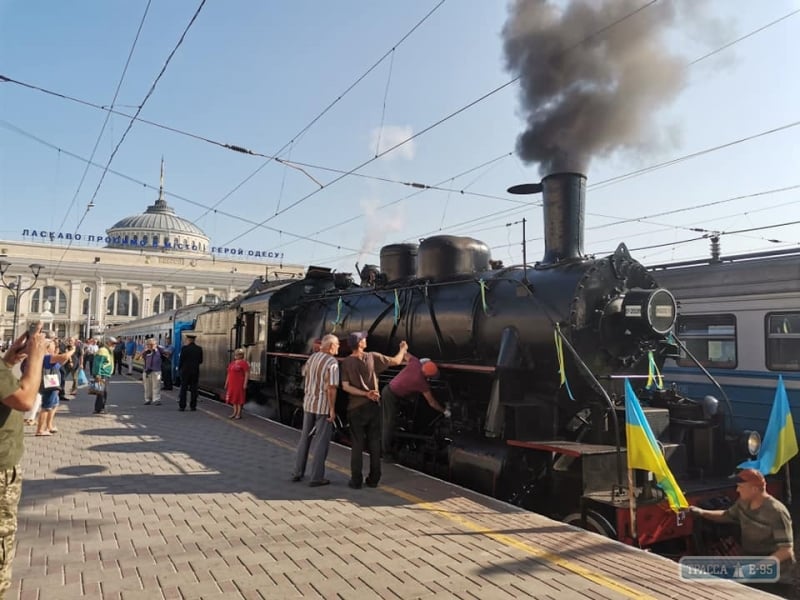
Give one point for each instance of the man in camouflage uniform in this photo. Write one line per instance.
(16, 396)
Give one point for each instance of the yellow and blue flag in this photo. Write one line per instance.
(644, 453)
(780, 440)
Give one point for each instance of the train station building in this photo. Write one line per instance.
(145, 264)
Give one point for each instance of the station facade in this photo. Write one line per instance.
(145, 264)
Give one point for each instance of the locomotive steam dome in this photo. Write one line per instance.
(399, 261)
(447, 255)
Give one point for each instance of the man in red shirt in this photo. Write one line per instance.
(408, 383)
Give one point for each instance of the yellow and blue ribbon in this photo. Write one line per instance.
(338, 320)
(482, 283)
(561, 367)
(653, 373)
(396, 308)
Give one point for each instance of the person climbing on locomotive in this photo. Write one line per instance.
(406, 386)
(321, 381)
(765, 523)
(360, 373)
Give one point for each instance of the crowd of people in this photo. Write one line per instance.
(370, 411)
(38, 370)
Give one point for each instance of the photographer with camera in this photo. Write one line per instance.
(71, 367)
(52, 365)
(151, 375)
(17, 394)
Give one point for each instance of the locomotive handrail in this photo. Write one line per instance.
(728, 405)
(442, 365)
(605, 395)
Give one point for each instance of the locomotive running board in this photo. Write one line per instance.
(575, 449)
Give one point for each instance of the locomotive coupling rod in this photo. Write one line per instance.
(614, 421)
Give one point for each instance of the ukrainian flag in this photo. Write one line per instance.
(780, 439)
(644, 453)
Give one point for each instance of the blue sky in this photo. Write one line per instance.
(254, 74)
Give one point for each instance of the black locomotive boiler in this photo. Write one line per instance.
(533, 360)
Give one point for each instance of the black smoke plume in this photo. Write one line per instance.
(589, 88)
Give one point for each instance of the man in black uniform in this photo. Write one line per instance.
(189, 367)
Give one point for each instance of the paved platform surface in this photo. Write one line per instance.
(147, 502)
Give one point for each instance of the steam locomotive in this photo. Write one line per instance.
(533, 361)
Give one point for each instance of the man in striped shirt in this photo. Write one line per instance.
(321, 373)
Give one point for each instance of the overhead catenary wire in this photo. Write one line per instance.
(144, 101)
(100, 134)
(313, 121)
(146, 185)
(442, 120)
(235, 148)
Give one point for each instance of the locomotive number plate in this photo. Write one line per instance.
(633, 311)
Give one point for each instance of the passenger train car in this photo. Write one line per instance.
(740, 317)
(164, 327)
(533, 360)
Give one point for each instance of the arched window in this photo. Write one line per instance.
(155, 240)
(166, 301)
(52, 294)
(123, 303)
(209, 299)
(85, 308)
(10, 302)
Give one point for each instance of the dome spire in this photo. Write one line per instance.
(161, 204)
(161, 184)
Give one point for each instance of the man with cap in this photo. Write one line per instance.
(765, 522)
(103, 369)
(360, 373)
(406, 386)
(189, 367)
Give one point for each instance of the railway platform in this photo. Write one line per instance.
(146, 502)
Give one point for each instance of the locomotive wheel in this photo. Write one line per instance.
(595, 522)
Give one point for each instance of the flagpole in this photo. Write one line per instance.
(788, 484)
(632, 503)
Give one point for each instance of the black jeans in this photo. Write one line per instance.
(166, 375)
(101, 399)
(189, 381)
(365, 429)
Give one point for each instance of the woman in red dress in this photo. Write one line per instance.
(236, 383)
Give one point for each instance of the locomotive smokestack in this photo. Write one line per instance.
(563, 196)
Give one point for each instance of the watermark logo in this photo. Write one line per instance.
(744, 569)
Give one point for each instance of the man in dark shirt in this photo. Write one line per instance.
(406, 386)
(765, 523)
(166, 365)
(360, 373)
(191, 358)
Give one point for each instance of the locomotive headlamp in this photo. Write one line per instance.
(752, 440)
(655, 310)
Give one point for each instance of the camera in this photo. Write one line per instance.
(33, 328)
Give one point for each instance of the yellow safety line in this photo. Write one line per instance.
(555, 559)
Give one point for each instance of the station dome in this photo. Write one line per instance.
(158, 227)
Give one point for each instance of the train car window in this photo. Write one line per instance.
(250, 330)
(262, 328)
(783, 341)
(711, 338)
